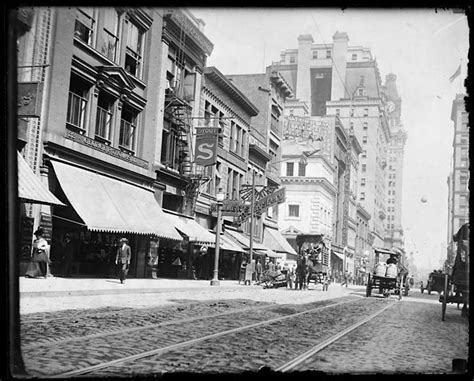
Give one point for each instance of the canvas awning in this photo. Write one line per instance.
(269, 253)
(275, 241)
(30, 187)
(191, 229)
(228, 244)
(244, 241)
(382, 250)
(107, 204)
(339, 255)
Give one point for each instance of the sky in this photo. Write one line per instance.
(421, 46)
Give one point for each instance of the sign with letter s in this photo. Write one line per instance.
(206, 145)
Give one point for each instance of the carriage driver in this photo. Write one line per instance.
(392, 259)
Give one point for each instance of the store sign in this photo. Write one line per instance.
(46, 222)
(231, 208)
(272, 199)
(29, 99)
(206, 145)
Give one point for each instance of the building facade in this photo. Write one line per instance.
(458, 180)
(396, 145)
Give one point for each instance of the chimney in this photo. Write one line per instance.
(303, 79)
(339, 66)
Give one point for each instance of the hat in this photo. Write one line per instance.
(123, 240)
(39, 232)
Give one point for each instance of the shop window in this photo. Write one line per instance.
(85, 25)
(293, 210)
(128, 129)
(77, 104)
(103, 125)
(133, 54)
(109, 38)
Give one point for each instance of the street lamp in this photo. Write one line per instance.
(219, 198)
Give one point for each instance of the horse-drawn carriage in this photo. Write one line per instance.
(389, 275)
(456, 284)
(435, 282)
(313, 261)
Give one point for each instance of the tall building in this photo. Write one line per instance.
(458, 180)
(341, 80)
(396, 145)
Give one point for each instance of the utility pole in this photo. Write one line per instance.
(252, 202)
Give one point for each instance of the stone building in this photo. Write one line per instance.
(458, 180)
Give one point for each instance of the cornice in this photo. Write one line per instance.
(309, 180)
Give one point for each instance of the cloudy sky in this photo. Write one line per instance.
(421, 46)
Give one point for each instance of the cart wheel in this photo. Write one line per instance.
(368, 289)
(444, 297)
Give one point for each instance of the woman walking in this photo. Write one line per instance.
(39, 256)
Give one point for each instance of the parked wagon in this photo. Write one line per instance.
(456, 284)
(389, 274)
(435, 282)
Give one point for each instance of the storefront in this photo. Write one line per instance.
(100, 211)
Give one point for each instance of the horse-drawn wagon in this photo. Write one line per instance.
(389, 275)
(313, 261)
(456, 284)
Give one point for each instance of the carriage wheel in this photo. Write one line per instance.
(444, 297)
(368, 289)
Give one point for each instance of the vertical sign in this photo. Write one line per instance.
(206, 145)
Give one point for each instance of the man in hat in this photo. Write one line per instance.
(122, 259)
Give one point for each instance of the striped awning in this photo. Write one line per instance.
(275, 241)
(30, 187)
(110, 205)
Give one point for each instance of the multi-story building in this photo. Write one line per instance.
(396, 145)
(458, 180)
(342, 80)
(269, 92)
(99, 147)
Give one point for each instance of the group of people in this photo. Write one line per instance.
(38, 267)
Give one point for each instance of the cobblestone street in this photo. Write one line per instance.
(63, 333)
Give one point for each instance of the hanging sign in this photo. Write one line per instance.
(206, 145)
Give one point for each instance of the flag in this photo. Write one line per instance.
(456, 74)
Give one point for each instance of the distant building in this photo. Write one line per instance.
(458, 179)
(394, 183)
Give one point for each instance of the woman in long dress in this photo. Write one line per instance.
(39, 256)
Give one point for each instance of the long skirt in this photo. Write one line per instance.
(34, 270)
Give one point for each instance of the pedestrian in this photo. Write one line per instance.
(291, 276)
(38, 266)
(68, 254)
(243, 267)
(122, 259)
(258, 270)
(271, 267)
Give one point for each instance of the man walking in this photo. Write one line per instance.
(258, 269)
(122, 259)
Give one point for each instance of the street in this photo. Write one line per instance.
(239, 328)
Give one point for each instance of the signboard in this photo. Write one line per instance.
(46, 222)
(272, 199)
(231, 208)
(206, 145)
(29, 99)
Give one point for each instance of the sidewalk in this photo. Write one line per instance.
(57, 286)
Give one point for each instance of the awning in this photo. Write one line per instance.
(189, 227)
(227, 244)
(275, 241)
(244, 241)
(106, 204)
(269, 253)
(339, 255)
(30, 187)
(385, 251)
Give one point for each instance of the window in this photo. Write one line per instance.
(361, 93)
(233, 135)
(169, 146)
(362, 195)
(104, 116)
(364, 139)
(85, 25)
(354, 57)
(463, 152)
(293, 210)
(351, 124)
(289, 169)
(291, 111)
(133, 55)
(109, 40)
(365, 126)
(364, 167)
(366, 112)
(338, 112)
(328, 54)
(301, 169)
(362, 181)
(352, 112)
(315, 54)
(463, 178)
(77, 104)
(128, 127)
(292, 59)
(229, 183)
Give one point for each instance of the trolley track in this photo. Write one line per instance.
(220, 327)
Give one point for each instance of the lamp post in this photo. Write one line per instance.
(219, 198)
(345, 264)
(252, 206)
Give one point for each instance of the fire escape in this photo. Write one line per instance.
(179, 112)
